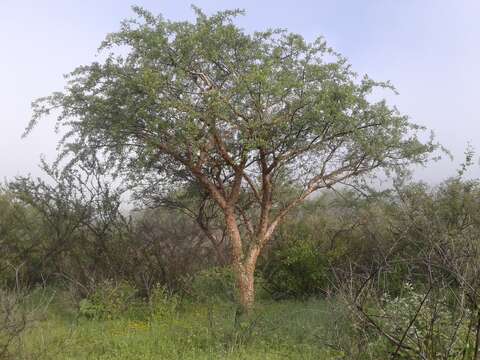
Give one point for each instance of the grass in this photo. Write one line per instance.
(277, 330)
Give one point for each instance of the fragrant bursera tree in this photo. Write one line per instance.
(257, 121)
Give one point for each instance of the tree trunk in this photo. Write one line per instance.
(244, 266)
(246, 287)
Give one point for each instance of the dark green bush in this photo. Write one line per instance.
(299, 264)
(297, 269)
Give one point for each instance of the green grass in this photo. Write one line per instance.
(276, 330)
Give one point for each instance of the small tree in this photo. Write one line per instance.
(246, 117)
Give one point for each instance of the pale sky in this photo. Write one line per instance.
(429, 49)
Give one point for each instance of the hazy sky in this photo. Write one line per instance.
(429, 49)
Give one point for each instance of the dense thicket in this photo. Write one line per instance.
(73, 228)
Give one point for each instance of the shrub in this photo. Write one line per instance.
(428, 323)
(163, 303)
(423, 324)
(19, 312)
(297, 270)
(108, 300)
(13, 321)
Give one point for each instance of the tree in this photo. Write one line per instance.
(257, 121)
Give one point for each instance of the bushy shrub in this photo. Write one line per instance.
(300, 262)
(343, 334)
(426, 323)
(163, 303)
(298, 269)
(419, 323)
(108, 301)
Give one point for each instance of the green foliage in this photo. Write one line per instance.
(53, 225)
(163, 303)
(20, 312)
(108, 301)
(298, 269)
(158, 103)
(309, 247)
(213, 285)
(431, 327)
(218, 284)
(21, 235)
(288, 330)
(71, 229)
